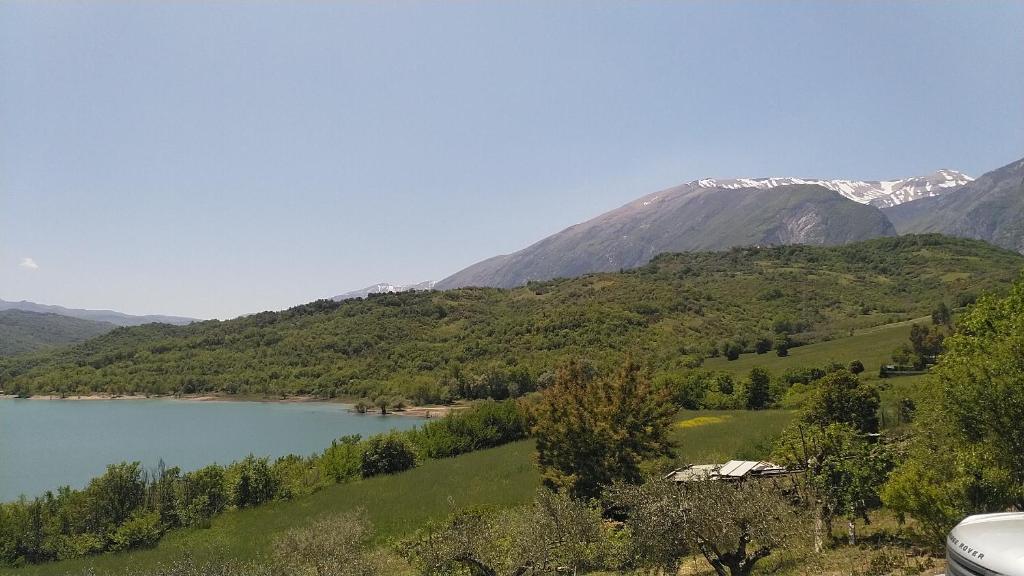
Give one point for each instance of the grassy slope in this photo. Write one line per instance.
(399, 504)
(872, 346)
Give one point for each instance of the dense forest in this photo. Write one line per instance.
(22, 331)
(477, 343)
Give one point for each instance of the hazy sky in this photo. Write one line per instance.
(216, 158)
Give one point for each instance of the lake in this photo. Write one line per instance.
(45, 444)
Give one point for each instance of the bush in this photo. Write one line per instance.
(333, 546)
(688, 390)
(296, 476)
(387, 454)
(485, 425)
(200, 495)
(731, 350)
(251, 482)
(343, 460)
(142, 530)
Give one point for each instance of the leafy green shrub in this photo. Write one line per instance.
(251, 482)
(200, 495)
(485, 425)
(387, 454)
(343, 460)
(142, 530)
(296, 476)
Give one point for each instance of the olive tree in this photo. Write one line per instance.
(844, 472)
(333, 546)
(733, 525)
(556, 534)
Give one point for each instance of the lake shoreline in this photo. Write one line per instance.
(411, 411)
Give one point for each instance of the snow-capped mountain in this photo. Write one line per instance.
(879, 193)
(384, 288)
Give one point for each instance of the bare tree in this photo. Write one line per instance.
(333, 546)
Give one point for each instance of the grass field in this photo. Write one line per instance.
(398, 505)
(872, 346)
(716, 436)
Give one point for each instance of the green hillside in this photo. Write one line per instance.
(431, 346)
(22, 331)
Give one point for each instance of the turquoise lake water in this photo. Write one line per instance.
(45, 444)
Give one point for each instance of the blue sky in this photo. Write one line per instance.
(213, 159)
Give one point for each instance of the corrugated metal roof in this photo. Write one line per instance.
(731, 470)
(737, 468)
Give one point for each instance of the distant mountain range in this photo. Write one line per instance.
(22, 331)
(990, 208)
(716, 214)
(384, 288)
(110, 316)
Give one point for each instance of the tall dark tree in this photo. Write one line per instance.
(759, 393)
(592, 431)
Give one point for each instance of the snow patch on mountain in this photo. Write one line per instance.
(879, 193)
(384, 288)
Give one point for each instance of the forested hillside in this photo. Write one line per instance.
(434, 346)
(22, 331)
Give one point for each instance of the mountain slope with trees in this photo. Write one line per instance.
(486, 342)
(22, 331)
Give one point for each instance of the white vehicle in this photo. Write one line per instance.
(986, 545)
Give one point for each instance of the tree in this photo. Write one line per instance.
(759, 389)
(333, 546)
(844, 472)
(556, 533)
(925, 344)
(782, 345)
(941, 316)
(113, 497)
(686, 390)
(200, 495)
(592, 431)
(733, 525)
(731, 350)
(251, 482)
(856, 367)
(763, 345)
(968, 450)
(843, 399)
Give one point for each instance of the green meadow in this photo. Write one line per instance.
(872, 346)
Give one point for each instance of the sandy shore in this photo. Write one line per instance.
(414, 411)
